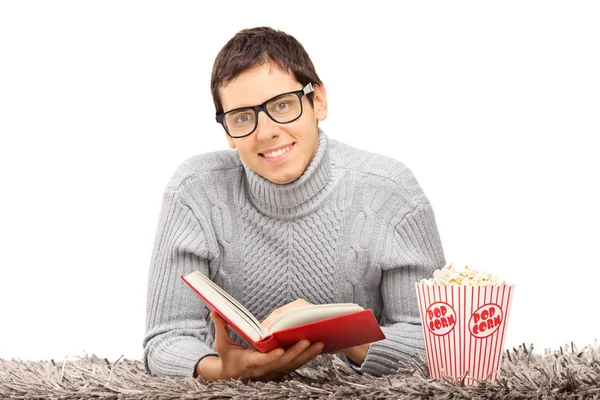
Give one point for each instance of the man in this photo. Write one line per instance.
(289, 216)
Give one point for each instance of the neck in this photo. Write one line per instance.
(303, 194)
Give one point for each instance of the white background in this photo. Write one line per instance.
(494, 106)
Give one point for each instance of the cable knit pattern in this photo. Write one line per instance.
(176, 328)
(354, 227)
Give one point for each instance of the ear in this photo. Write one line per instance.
(230, 141)
(320, 102)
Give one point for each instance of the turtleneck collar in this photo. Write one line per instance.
(302, 195)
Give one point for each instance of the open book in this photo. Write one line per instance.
(338, 326)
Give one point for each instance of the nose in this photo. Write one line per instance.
(267, 129)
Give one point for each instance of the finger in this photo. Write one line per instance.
(222, 340)
(290, 354)
(294, 304)
(307, 355)
(300, 302)
(275, 313)
(259, 360)
(265, 324)
(340, 351)
(268, 363)
(277, 369)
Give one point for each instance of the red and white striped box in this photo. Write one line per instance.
(464, 329)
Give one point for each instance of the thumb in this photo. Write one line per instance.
(221, 330)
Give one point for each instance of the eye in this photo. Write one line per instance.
(282, 106)
(242, 118)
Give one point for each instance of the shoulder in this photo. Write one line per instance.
(378, 170)
(205, 165)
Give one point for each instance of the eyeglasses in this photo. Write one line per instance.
(283, 109)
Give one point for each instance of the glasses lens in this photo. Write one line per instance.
(240, 122)
(284, 108)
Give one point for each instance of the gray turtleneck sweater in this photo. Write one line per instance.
(355, 227)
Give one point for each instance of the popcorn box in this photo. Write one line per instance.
(464, 329)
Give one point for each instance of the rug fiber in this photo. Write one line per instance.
(564, 373)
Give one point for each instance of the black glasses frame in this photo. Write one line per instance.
(220, 117)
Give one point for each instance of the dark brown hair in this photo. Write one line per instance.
(253, 47)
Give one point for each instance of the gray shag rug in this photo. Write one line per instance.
(524, 374)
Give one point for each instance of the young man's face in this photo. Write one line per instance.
(256, 86)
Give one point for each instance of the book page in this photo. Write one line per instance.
(235, 303)
(314, 312)
(227, 305)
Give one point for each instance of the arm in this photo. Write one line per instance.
(175, 343)
(417, 253)
(176, 331)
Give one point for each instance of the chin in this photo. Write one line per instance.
(283, 179)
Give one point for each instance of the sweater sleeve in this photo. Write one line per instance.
(417, 253)
(176, 330)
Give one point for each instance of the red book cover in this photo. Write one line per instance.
(336, 333)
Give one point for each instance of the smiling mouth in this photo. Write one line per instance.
(277, 154)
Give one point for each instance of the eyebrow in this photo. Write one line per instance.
(270, 98)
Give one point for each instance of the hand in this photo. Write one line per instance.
(236, 361)
(356, 353)
(280, 310)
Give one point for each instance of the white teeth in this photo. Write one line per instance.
(278, 152)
